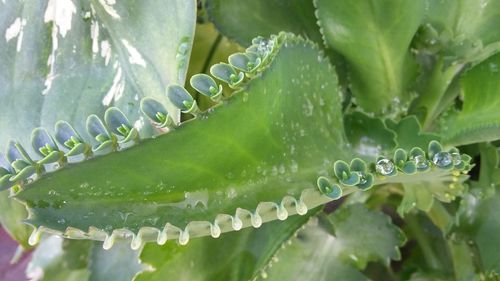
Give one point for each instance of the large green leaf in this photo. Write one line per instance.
(455, 35)
(369, 136)
(11, 212)
(481, 223)
(233, 256)
(165, 185)
(462, 30)
(56, 259)
(252, 159)
(68, 59)
(310, 255)
(374, 37)
(244, 20)
(479, 118)
(363, 236)
(118, 264)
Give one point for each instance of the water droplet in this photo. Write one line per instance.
(421, 162)
(442, 159)
(456, 158)
(384, 167)
(493, 67)
(263, 274)
(52, 192)
(362, 179)
(61, 221)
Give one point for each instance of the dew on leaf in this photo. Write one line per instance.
(384, 167)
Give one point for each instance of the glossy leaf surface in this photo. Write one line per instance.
(233, 256)
(479, 118)
(374, 37)
(69, 59)
(243, 21)
(275, 152)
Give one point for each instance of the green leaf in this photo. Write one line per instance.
(96, 58)
(244, 20)
(362, 235)
(463, 31)
(11, 213)
(119, 263)
(409, 134)
(310, 255)
(56, 259)
(83, 61)
(233, 256)
(368, 136)
(416, 196)
(479, 118)
(374, 37)
(164, 184)
(484, 229)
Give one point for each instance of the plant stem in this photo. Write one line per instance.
(422, 239)
(463, 264)
(211, 53)
(428, 104)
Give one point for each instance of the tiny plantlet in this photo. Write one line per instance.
(226, 140)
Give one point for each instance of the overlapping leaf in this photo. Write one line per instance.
(479, 118)
(243, 21)
(374, 37)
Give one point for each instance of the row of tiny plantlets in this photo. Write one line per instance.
(362, 176)
(117, 132)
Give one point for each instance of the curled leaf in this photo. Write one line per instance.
(96, 128)
(182, 99)
(226, 73)
(206, 86)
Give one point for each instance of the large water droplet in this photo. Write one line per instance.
(442, 159)
(421, 162)
(384, 167)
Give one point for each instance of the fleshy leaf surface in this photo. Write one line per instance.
(233, 256)
(479, 118)
(369, 136)
(363, 235)
(374, 37)
(56, 259)
(69, 59)
(275, 155)
(243, 21)
(309, 256)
